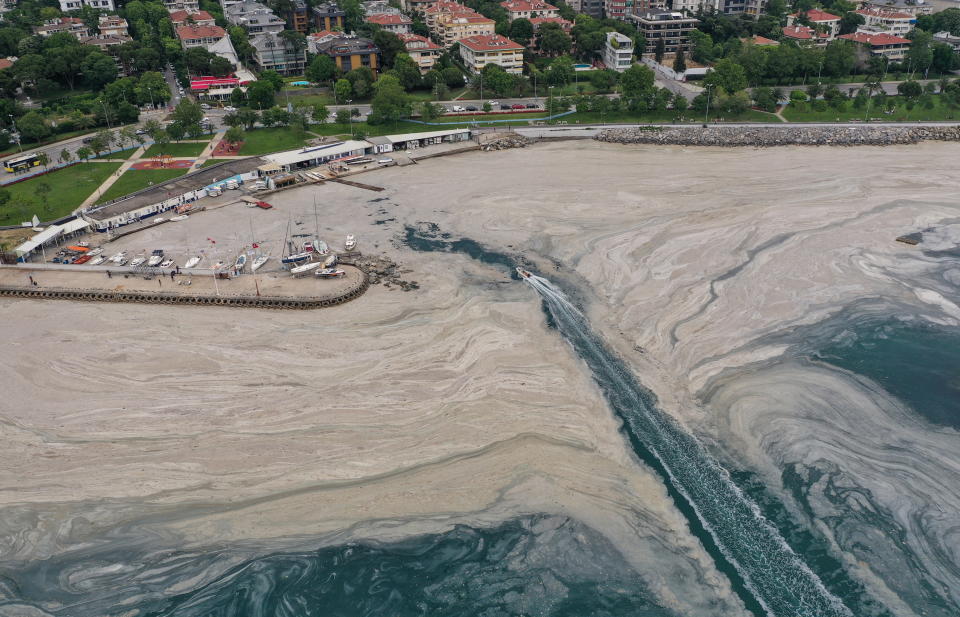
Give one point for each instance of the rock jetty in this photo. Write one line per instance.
(505, 142)
(768, 136)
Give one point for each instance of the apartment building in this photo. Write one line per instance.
(200, 36)
(76, 5)
(181, 5)
(669, 26)
(526, 9)
(422, 50)
(327, 16)
(618, 52)
(297, 16)
(112, 25)
(454, 28)
(482, 49)
(275, 53)
(392, 22)
(805, 35)
(351, 52)
(827, 23)
(880, 44)
(73, 25)
(913, 7)
(256, 18)
(565, 25)
(894, 22)
(316, 38)
(200, 18)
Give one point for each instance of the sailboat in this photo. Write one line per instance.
(305, 268)
(192, 262)
(292, 257)
(351, 243)
(258, 261)
(240, 263)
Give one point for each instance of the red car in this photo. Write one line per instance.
(518, 106)
(264, 205)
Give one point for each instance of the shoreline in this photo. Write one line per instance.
(769, 136)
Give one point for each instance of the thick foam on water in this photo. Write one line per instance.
(777, 578)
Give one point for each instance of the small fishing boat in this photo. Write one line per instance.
(218, 265)
(330, 261)
(329, 273)
(350, 243)
(166, 264)
(81, 260)
(155, 258)
(305, 268)
(138, 260)
(259, 261)
(122, 262)
(158, 220)
(321, 247)
(83, 244)
(98, 260)
(193, 261)
(240, 263)
(295, 258)
(181, 217)
(118, 257)
(523, 273)
(95, 252)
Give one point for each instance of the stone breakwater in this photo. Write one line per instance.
(767, 136)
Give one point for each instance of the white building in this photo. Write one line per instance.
(76, 5)
(894, 22)
(482, 49)
(618, 52)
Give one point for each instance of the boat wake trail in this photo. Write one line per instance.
(775, 578)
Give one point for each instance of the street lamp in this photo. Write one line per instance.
(549, 101)
(351, 118)
(706, 112)
(106, 114)
(16, 132)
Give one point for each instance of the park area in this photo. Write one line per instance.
(137, 179)
(894, 109)
(54, 194)
(176, 149)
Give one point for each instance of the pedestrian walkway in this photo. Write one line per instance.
(89, 201)
(208, 151)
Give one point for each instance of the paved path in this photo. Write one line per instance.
(208, 151)
(89, 201)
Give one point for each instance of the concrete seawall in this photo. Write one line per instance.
(145, 297)
(768, 136)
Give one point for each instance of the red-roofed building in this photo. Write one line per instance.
(73, 25)
(6, 63)
(457, 26)
(565, 24)
(198, 18)
(805, 35)
(480, 50)
(200, 36)
(316, 38)
(760, 41)
(894, 22)
(392, 22)
(422, 50)
(821, 19)
(216, 88)
(880, 44)
(526, 9)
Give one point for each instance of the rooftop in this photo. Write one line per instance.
(527, 5)
(177, 186)
(346, 44)
(817, 16)
(200, 32)
(422, 42)
(181, 16)
(328, 9)
(388, 19)
(802, 33)
(489, 42)
(881, 38)
(885, 14)
(760, 41)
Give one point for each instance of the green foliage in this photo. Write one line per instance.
(342, 90)
(603, 81)
(272, 77)
(406, 70)
(680, 62)
(390, 47)
(390, 102)
(32, 126)
(498, 81)
(321, 69)
(261, 94)
(636, 81)
(320, 113)
(910, 90)
(728, 76)
(553, 41)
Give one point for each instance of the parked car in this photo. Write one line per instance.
(87, 140)
(471, 108)
(493, 103)
(204, 106)
(505, 106)
(458, 108)
(140, 132)
(533, 106)
(518, 106)
(229, 108)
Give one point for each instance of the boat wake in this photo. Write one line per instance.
(776, 579)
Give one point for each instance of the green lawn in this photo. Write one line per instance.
(804, 113)
(176, 150)
(68, 188)
(263, 141)
(136, 179)
(210, 162)
(123, 154)
(666, 117)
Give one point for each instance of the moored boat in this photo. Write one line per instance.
(155, 258)
(305, 268)
(259, 261)
(166, 264)
(119, 257)
(181, 217)
(138, 260)
(192, 262)
(95, 252)
(350, 243)
(295, 258)
(329, 273)
(330, 261)
(96, 261)
(240, 263)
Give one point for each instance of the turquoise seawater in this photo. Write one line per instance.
(916, 361)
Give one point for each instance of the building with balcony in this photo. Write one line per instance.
(76, 5)
(879, 44)
(316, 38)
(913, 7)
(422, 50)
(112, 25)
(618, 52)
(565, 24)
(298, 16)
(199, 18)
(351, 52)
(669, 26)
(822, 21)
(72, 25)
(482, 49)
(191, 6)
(456, 27)
(272, 52)
(805, 35)
(525, 9)
(256, 18)
(893, 22)
(392, 22)
(200, 36)
(327, 17)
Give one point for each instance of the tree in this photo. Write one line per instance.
(765, 99)
(849, 22)
(496, 80)
(702, 48)
(521, 31)
(320, 113)
(343, 116)
(777, 9)
(679, 62)
(98, 70)
(603, 81)
(406, 70)
(233, 135)
(636, 81)
(390, 47)
(187, 115)
(342, 90)
(33, 126)
(658, 50)
(390, 102)
(920, 55)
(728, 76)
(99, 143)
(83, 153)
(429, 111)
(453, 78)
(561, 71)
(273, 78)
(237, 97)
(248, 117)
(275, 116)
(680, 103)
(151, 127)
(152, 88)
(910, 90)
(233, 119)
(322, 68)
(176, 131)
(65, 156)
(261, 94)
(944, 59)
(553, 40)
(44, 159)
(839, 57)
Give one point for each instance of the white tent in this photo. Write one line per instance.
(38, 240)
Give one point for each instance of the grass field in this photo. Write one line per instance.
(68, 188)
(136, 179)
(210, 162)
(123, 154)
(900, 113)
(176, 150)
(262, 141)
(665, 117)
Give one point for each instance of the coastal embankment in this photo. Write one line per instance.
(768, 136)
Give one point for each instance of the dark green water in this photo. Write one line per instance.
(916, 361)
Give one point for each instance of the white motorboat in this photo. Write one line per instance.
(321, 247)
(305, 268)
(218, 265)
(350, 243)
(166, 264)
(192, 262)
(523, 273)
(329, 273)
(158, 220)
(330, 261)
(155, 258)
(138, 260)
(95, 252)
(259, 261)
(83, 244)
(119, 257)
(96, 261)
(240, 263)
(181, 217)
